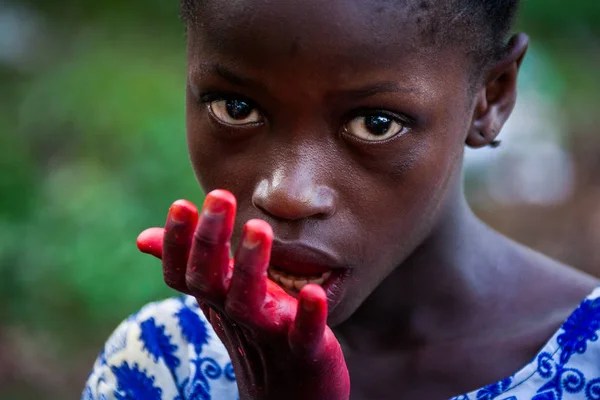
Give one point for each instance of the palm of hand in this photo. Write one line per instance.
(280, 346)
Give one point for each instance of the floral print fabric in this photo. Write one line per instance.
(169, 351)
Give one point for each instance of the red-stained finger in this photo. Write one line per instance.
(248, 285)
(306, 335)
(208, 263)
(150, 242)
(177, 242)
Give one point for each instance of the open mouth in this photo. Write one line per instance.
(294, 265)
(295, 283)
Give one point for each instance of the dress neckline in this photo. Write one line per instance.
(551, 350)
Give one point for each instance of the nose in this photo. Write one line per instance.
(291, 193)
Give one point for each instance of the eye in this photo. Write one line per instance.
(235, 112)
(374, 127)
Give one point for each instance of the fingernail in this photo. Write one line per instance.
(178, 213)
(214, 206)
(309, 304)
(251, 239)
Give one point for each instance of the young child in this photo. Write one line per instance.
(330, 137)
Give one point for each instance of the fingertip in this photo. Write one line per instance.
(223, 195)
(260, 226)
(183, 211)
(218, 216)
(150, 242)
(306, 336)
(144, 238)
(309, 305)
(257, 231)
(312, 306)
(185, 204)
(313, 296)
(220, 202)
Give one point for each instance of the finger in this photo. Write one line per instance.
(208, 263)
(150, 242)
(307, 331)
(248, 285)
(177, 242)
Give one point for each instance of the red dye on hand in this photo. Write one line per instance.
(281, 347)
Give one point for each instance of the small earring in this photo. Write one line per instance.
(494, 143)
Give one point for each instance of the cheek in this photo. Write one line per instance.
(219, 164)
(217, 167)
(401, 212)
(415, 180)
(201, 156)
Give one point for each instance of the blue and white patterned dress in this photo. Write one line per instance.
(169, 351)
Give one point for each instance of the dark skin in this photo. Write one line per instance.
(431, 300)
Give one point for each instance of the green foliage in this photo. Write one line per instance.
(572, 23)
(96, 155)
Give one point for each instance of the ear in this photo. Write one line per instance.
(495, 101)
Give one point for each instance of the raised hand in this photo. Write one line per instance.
(280, 346)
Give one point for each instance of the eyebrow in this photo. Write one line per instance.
(229, 75)
(359, 92)
(376, 88)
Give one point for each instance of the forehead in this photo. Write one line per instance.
(341, 27)
(336, 39)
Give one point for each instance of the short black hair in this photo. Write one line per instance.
(482, 26)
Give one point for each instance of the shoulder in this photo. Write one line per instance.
(578, 337)
(567, 367)
(165, 350)
(571, 362)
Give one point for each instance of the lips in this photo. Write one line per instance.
(303, 259)
(294, 265)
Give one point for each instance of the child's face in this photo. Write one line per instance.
(339, 128)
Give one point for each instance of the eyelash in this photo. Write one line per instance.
(403, 119)
(406, 121)
(208, 98)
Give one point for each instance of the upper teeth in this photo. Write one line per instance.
(296, 282)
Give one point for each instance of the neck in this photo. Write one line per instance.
(437, 292)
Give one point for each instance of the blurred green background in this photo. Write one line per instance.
(92, 151)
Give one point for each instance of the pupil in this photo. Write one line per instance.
(238, 109)
(378, 124)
